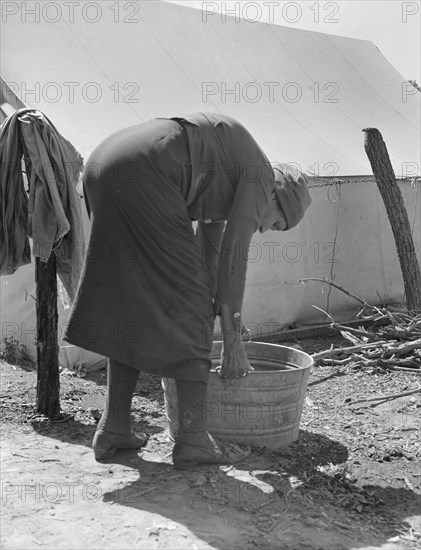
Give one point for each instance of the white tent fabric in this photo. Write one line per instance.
(305, 96)
(95, 77)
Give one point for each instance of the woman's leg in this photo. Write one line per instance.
(121, 383)
(194, 445)
(114, 429)
(191, 397)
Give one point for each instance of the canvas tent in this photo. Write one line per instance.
(305, 96)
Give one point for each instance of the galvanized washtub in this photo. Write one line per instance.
(264, 408)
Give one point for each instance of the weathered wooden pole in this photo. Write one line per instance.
(48, 376)
(48, 383)
(384, 174)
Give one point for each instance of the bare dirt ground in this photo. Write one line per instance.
(352, 480)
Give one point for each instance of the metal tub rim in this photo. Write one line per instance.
(254, 353)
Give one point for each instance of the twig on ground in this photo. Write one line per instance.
(385, 397)
(356, 331)
(324, 312)
(408, 370)
(351, 349)
(338, 373)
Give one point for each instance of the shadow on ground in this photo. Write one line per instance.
(301, 497)
(69, 430)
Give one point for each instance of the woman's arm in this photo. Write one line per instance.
(210, 238)
(250, 203)
(231, 284)
(234, 359)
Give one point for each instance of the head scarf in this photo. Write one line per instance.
(292, 193)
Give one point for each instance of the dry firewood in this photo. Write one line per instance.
(373, 350)
(400, 333)
(406, 348)
(361, 358)
(351, 349)
(414, 323)
(393, 340)
(377, 320)
(356, 331)
(351, 338)
(393, 362)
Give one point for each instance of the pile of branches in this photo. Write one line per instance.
(392, 341)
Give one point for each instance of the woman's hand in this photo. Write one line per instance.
(234, 362)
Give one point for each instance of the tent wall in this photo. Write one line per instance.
(305, 96)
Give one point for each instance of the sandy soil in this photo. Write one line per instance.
(352, 480)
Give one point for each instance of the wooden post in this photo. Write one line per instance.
(48, 376)
(48, 384)
(383, 172)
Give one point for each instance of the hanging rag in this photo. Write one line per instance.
(50, 213)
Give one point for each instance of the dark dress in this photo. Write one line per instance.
(145, 297)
